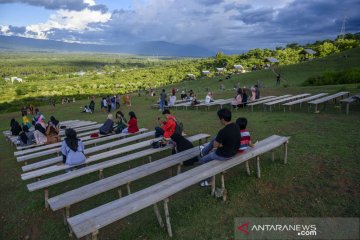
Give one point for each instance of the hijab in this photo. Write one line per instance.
(71, 139)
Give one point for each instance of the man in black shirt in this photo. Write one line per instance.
(226, 143)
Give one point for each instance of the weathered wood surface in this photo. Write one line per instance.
(286, 99)
(86, 141)
(350, 100)
(305, 99)
(93, 220)
(93, 158)
(328, 98)
(268, 100)
(103, 165)
(115, 181)
(91, 150)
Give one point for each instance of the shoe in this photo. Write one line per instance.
(205, 184)
(201, 147)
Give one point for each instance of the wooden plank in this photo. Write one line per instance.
(87, 222)
(304, 99)
(268, 100)
(115, 181)
(351, 99)
(286, 99)
(97, 157)
(327, 98)
(87, 151)
(98, 148)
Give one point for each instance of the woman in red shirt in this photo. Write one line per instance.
(132, 124)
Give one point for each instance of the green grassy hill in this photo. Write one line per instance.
(321, 178)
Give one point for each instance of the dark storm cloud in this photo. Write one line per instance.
(17, 30)
(210, 2)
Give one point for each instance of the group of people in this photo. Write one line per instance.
(232, 139)
(42, 133)
(245, 95)
(120, 125)
(111, 103)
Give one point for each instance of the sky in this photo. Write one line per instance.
(213, 24)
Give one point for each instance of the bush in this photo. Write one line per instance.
(334, 78)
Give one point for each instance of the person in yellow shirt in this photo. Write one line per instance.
(25, 121)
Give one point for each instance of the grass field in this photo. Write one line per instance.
(321, 178)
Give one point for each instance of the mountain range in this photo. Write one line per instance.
(151, 48)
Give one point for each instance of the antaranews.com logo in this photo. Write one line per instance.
(297, 228)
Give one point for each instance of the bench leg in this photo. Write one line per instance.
(179, 169)
(158, 216)
(285, 152)
(101, 174)
(247, 167)
(258, 166)
(128, 188)
(224, 191)
(66, 215)
(273, 155)
(150, 159)
(167, 217)
(213, 185)
(46, 191)
(94, 235)
(347, 108)
(119, 192)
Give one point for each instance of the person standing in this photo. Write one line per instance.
(163, 97)
(278, 80)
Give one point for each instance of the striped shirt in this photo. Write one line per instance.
(245, 140)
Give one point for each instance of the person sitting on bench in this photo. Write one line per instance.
(72, 148)
(167, 128)
(225, 145)
(107, 128)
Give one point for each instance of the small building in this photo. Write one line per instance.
(16, 79)
(271, 60)
(307, 54)
(206, 72)
(238, 68)
(190, 76)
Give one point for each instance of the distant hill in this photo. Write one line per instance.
(158, 48)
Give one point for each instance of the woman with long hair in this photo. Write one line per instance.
(121, 122)
(15, 127)
(108, 125)
(238, 98)
(72, 148)
(40, 134)
(25, 137)
(132, 124)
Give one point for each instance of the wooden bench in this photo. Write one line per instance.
(350, 100)
(266, 100)
(302, 100)
(187, 104)
(55, 168)
(91, 150)
(46, 183)
(328, 98)
(90, 222)
(272, 103)
(87, 141)
(256, 100)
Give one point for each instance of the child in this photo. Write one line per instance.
(245, 139)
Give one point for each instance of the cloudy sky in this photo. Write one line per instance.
(219, 24)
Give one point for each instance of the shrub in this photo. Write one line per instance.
(334, 78)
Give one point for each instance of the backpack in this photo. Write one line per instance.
(179, 127)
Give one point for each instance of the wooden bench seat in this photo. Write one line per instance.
(350, 100)
(90, 222)
(46, 183)
(302, 100)
(89, 150)
(282, 100)
(113, 144)
(266, 100)
(86, 140)
(256, 100)
(93, 158)
(328, 98)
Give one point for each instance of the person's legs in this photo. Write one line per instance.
(158, 132)
(161, 104)
(125, 130)
(208, 147)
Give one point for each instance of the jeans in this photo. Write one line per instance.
(162, 104)
(158, 132)
(209, 155)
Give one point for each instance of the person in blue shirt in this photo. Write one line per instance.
(72, 148)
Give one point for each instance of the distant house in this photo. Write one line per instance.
(81, 73)
(190, 76)
(239, 68)
(206, 72)
(7, 79)
(307, 54)
(16, 79)
(271, 60)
